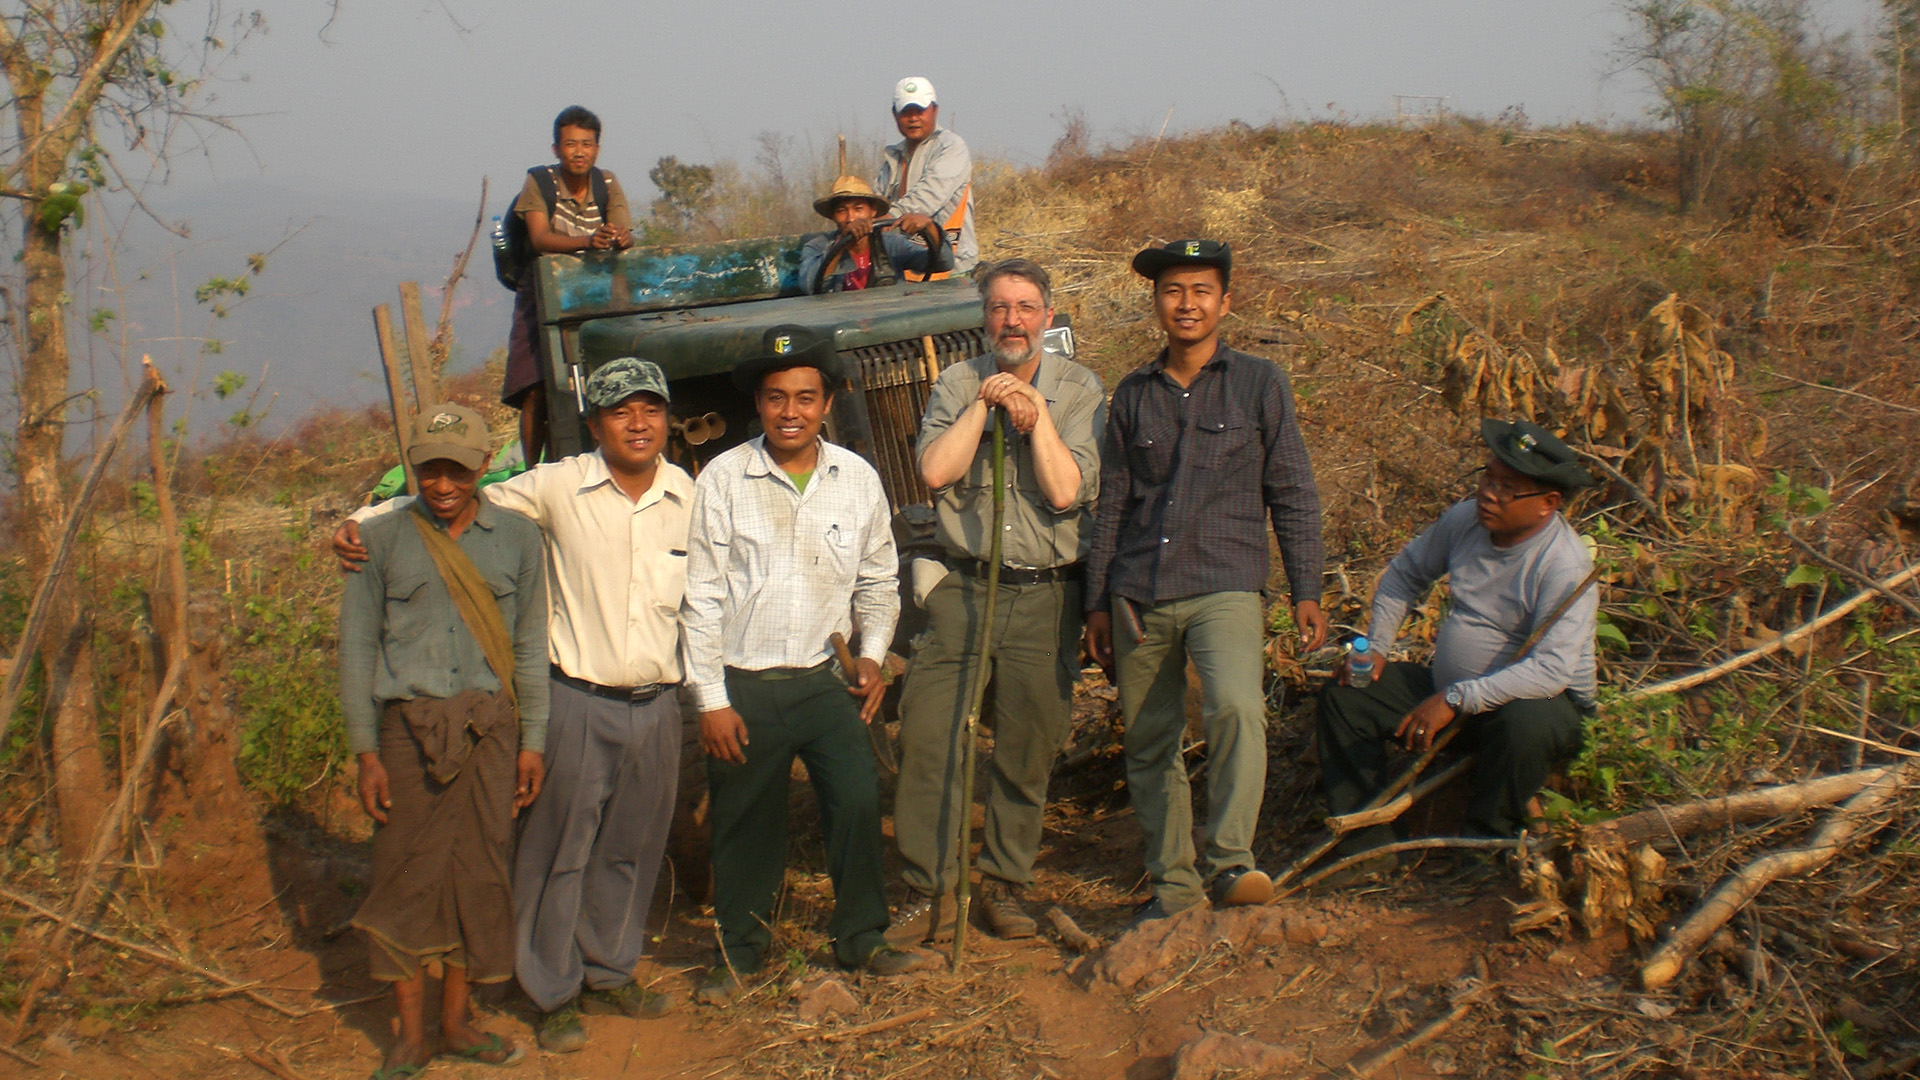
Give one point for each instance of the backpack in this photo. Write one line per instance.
(513, 252)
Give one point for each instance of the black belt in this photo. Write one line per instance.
(779, 674)
(1012, 576)
(632, 695)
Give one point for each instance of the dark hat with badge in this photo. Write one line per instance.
(617, 380)
(1215, 253)
(790, 346)
(1531, 450)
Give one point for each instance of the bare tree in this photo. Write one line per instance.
(99, 91)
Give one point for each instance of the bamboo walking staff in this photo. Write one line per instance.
(1406, 779)
(982, 656)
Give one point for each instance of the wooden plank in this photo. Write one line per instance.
(396, 389)
(426, 381)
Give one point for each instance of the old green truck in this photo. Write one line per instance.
(698, 310)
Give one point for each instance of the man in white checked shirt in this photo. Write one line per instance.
(790, 542)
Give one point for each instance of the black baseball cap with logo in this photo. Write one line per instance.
(789, 346)
(1153, 261)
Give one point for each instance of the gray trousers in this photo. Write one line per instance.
(1223, 634)
(591, 845)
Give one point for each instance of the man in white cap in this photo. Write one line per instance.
(928, 175)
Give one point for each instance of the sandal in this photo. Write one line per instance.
(494, 1051)
(396, 1072)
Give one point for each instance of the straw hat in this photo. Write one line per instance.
(849, 187)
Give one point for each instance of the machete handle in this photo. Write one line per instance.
(845, 656)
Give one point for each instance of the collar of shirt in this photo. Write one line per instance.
(674, 482)
(483, 515)
(898, 151)
(761, 463)
(1214, 363)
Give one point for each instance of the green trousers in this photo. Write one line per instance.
(1036, 635)
(1514, 749)
(1222, 633)
(813, 717)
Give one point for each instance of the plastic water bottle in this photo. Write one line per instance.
(499, 234)
(1360, 662)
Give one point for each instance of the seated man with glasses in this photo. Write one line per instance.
(1510, 558)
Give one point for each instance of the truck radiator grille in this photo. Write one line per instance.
(898, 376)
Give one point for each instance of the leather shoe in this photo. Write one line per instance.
(1001, 912)
(1240, 887)
(923, 919)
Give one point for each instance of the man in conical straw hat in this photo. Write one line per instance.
(848, 259)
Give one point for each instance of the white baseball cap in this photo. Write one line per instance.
(912, 90)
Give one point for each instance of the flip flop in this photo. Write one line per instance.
(397, 1072)
(502, 1053)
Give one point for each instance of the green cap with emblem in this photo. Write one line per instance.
(1151, 262)
(617, 380)
(449, 431)
(1532, 450)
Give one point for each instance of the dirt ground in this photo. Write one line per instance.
(1329, 976)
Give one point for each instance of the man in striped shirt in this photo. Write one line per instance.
(790, 543)
(587, 213)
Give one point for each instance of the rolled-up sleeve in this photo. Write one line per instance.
(1081, 422)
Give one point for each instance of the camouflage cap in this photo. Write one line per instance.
(449, 431)
(617, 380)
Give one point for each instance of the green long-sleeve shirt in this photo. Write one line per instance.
(401, 636)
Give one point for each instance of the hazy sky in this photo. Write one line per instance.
(372, 134)
(438, 92)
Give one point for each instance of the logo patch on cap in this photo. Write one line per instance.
(446, 421)
(1193, 247)
(783, 344)
(1527, 443)
(911, 87)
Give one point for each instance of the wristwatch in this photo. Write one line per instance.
(1455, 699)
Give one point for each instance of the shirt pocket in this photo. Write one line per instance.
(1150, 450)
(1225, 442)
(504, 590)
(409, 609)
(840, 554)
(669, 580)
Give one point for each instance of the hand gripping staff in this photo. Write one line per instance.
(983, 655)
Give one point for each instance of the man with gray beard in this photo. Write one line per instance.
(1055, 410)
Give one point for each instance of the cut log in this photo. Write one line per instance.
(1758, 805)
(1807, 629)
(1342, 824)
(1734, 893)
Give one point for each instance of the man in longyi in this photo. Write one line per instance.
(443, 684)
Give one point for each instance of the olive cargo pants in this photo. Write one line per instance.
(1223, 633)
(1036, 636)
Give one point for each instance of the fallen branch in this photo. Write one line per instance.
(278, 1064)
(1658, 512)
(159, 955)
(1735, 663)
(1368, 1066)
(41, 610)
(1342, 824)
(1425, 843)
(1734, 893)
(1855, 576)
(1846, 392)
(874, 1028)
(1757, 805)
(1070, 933)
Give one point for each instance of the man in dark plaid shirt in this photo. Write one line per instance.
(1202, 449)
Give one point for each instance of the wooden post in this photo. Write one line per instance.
(426, 381)
(403, 407)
